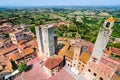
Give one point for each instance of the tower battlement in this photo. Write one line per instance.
(108, 24)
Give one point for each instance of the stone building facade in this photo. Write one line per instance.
(53, 65)
(27, 55)
(75, 63)
(5, 28)
(16, 36)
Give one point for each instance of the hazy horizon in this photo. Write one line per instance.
(28, 3)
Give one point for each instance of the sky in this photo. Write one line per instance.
(59, 2)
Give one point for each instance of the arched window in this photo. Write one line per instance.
(89, 70)
(82, 65)
(108, 24)
(101, 78)
(95, 74)
(79, 62)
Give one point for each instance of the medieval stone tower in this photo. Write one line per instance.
(75, 61)
(102, 40)
(45, 38)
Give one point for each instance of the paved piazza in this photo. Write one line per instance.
(37, 73)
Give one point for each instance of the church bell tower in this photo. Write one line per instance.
(102, 40)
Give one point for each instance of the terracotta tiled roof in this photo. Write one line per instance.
(64, 49)
(110, 19)
(89, 49)
(17, 55)
(28, 51)
(21, 42)
(108, 70)
(24, 44)
(112, 50)
(5, 61)
(108, 52)
(21, 47)
(4, 40)
(69, 54)
(84, 57)
(8, 50)
(79, 41)
(53, 61)
(14, 56)
(33, 43)
(115, 51)
(110, 62)
(9, 66)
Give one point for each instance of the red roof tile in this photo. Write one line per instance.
(21, 42)
(110, 62)
(89, 49)
(102, 67)
(14, 56)
(33, 43)
(115, 51)
(64, 49)
(69, 53)
(8, 50)
(84, 57)
(28, 51)
(53, 61)
(108, 52)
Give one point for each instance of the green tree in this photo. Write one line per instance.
(22, 67)
(60, 45)
(72, 28)
(113, 55)
(62, 28)
(60, 34)
(110, 44)
(32, 29)
(73, 35)
(7, 36)
(41, 22)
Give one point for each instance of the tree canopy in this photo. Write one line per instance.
(22, 67)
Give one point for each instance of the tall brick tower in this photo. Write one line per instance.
(45, 38)
(102, 40)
